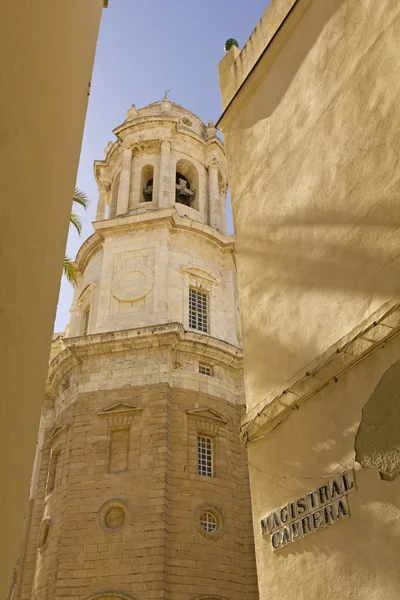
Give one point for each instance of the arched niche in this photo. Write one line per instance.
(187, 183)
(112, 211)
(147, 184)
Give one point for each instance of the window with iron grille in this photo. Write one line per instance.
(198, 310)
(205, 370)
(204, 456)
(86, 317)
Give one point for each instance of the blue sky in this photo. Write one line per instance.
(146, 47)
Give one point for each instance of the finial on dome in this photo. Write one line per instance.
(132, 113)
(166, 105)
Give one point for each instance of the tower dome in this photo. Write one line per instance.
(140, 487)
(164, 156)
(160, 230)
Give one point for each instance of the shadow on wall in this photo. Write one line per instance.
(377, 440)
(316, 199)
(284, 67)
(283, 462)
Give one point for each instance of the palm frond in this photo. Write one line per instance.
(81, 198)
(76, 222)
(70, 270)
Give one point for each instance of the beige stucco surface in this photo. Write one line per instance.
(357, 558)
(315, 184)
(311, 120)
(47, 51)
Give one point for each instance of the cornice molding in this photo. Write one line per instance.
(86, 251)
(148, 339)
(132, 222)
(57, 432)
(373, 333)
(207, 414)
(120, 414)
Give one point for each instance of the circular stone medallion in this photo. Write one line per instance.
(131, 285)
(44, 533)
(113, 515)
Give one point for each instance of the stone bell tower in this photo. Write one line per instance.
(140, 487)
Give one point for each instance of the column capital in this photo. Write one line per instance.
(103, 186)
(214, 163)
(165, 144)
(127, 150)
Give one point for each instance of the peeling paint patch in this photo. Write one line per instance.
(377, 443)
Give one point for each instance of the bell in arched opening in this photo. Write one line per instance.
(183, 193)
(148, 191)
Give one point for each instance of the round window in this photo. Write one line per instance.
(208, 521)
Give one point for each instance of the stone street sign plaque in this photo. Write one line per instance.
(316, 510)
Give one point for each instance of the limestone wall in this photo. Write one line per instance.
(135, 448)
(143, 273)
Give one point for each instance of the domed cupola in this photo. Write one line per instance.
(164, 156)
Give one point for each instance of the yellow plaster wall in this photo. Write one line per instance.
(356, 559)
(47, 51)
(313, 152)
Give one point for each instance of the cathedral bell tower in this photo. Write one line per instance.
(140, 488)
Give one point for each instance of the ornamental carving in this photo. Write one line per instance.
(132, 285)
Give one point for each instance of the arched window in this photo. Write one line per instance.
(186, 183)
(146, 194)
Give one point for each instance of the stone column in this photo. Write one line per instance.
(163, 188)
(224, 225)
(124, 183)
(136, 174)
(103, 188)
(73, 322)
(213, 195)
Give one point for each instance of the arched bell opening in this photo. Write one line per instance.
(147, 185)
(186, 184)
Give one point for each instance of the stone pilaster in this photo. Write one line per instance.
(163, 196)
(103, 188)
(74, 321)
(213, 191)
(222, 196)
(136, 172)
(125, 181)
